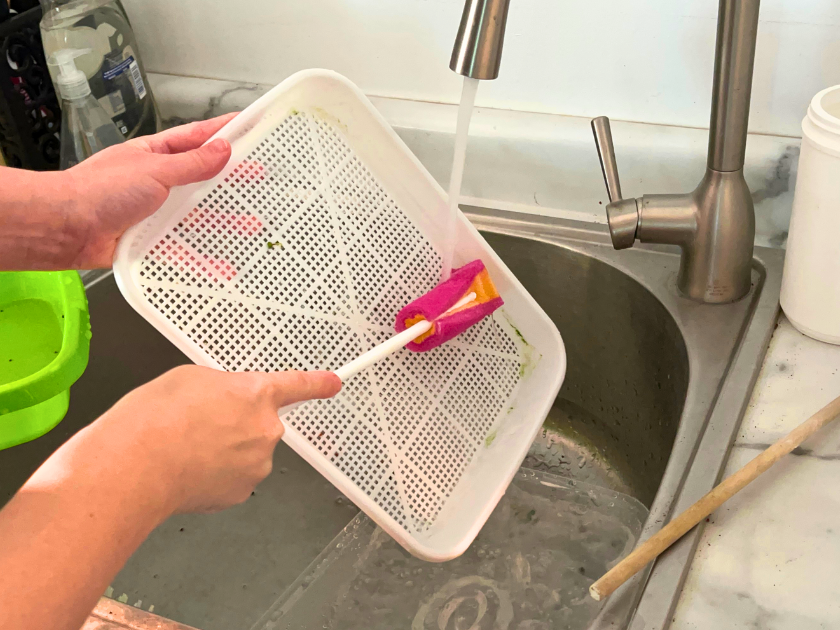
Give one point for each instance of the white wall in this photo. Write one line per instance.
(641, 60)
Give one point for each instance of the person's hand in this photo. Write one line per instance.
(206, 437)
(73, 219)
(193, 440)
(122, 185)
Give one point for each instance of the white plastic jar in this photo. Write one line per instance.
(811, 283)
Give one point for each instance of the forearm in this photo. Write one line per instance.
(38, 225)
(71, 528)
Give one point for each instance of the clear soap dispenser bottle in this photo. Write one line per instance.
(112, 63)
(85, 126)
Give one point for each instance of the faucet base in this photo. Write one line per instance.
(714, 225)
(717, 259)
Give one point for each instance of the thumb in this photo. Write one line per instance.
(197, 165)
(290, 387)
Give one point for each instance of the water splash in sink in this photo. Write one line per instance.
(529, 569)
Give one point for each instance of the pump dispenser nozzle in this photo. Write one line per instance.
(71, 82)
(85, 126)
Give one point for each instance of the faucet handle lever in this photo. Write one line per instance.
(606, 154)
(622, 214)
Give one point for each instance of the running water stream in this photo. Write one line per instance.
(461, 133)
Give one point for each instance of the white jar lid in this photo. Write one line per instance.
(824, 109)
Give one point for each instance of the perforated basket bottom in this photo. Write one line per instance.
(301, 260)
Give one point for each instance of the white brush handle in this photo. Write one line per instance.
(373, 355)
(394, 343)
(381, 351)
(400, 340)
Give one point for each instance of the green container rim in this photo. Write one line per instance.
(71, 361)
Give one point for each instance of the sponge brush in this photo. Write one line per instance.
(435, 306)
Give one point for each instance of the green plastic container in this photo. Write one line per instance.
(44, 345)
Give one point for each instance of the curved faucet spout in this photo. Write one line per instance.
(715, 224)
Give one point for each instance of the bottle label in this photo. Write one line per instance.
(129, 64)
(137, 79)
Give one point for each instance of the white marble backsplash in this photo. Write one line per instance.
(538, 163)
(643, 60)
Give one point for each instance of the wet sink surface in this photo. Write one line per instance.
(616, 418)
(648, 372)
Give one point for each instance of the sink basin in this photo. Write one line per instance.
(656, 384)
(615, 422)
(655, 389)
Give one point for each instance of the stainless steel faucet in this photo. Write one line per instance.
(715, 224)
(478, 46)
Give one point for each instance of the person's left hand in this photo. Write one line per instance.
(122, 185)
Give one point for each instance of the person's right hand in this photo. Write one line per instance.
(193, 440)
(209, 436)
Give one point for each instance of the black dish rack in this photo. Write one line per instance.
(30, 116)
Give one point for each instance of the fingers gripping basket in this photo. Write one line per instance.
(298, 256)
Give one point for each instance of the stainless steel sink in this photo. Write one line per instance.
(655, 390)
(656, 386)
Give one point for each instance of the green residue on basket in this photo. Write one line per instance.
(518, 332)
(529, 357)
(273, 244)
(329, 118)
(30, 332)
(293, 112)
(490, 438)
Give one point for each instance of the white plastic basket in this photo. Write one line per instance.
(298, 256)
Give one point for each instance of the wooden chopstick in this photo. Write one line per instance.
(673, 531)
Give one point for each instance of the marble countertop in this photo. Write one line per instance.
(769, 558)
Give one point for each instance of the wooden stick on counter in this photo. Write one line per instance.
(673, 531)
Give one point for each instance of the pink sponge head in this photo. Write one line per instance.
(471, 278)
